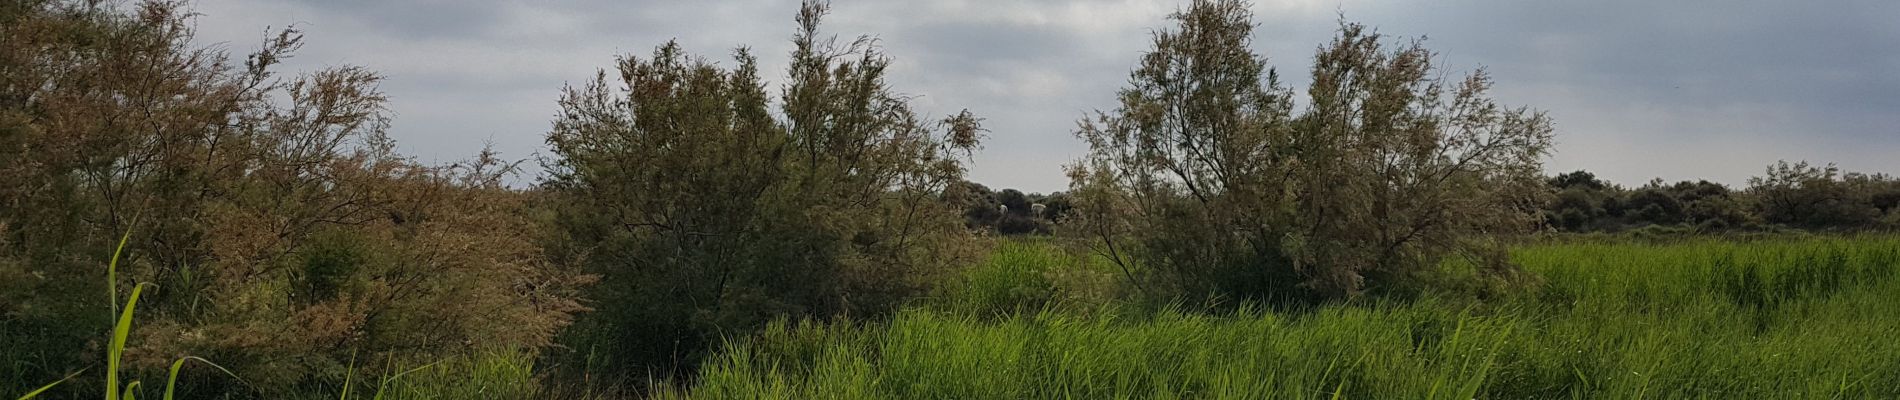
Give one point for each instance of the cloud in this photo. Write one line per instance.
(1695, 89)
(1640, 89)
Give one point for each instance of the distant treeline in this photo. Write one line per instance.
(1791, 196)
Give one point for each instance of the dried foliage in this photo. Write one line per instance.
(281, 228)
(1209, 182)
(707, 213)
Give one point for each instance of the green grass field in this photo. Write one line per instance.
(1702, 318)
(1789, 317)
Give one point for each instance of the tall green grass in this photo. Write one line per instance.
(480, 375)
(1027, 276)
(1808, 317)
(1349, 352)
(1774, 318)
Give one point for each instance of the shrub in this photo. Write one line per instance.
(1206, 177)
(708, 214)
(280, 227)
(1819, 197)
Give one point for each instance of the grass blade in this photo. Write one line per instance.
(112, 270)
(393, 378)
(119, 332)
(125, 319)
(172, 382)
(49, 386)
(349, 376)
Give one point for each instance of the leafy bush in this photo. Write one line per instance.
(1817, 197)
(708, 214)
(1207, 177)
(1583, 203)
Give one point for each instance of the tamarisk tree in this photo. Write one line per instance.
(707, 213)
(1210, 181)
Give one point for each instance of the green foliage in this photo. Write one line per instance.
(1789, 196)
(116, 349)
(1584, 204)
(707, 213)
(1773, 318)
(501, 374)
(1207, 176)
(327, 266)
(1815, 197)
(751, 244)
(1009, 211)
(1012, 277)
(1027, 276)
(49, 386)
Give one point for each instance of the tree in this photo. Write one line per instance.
(1582, 202)
(1712, 206)
(1576, 209)
(283, 232)
(707, 214)
(1579, 179)
(1807, 196)
(1655, 204)
(1206, 179)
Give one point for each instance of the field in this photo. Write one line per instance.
(1606, 317)
(185, 216)
(1800, 317)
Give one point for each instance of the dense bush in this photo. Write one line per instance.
(281, 230)
(1808, 196)
(1206, 176)
(708, 214)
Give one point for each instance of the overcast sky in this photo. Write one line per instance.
(1639, 89)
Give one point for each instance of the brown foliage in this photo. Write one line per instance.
(279, 225)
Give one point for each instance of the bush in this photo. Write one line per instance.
(1207, 178)
(708, 214)
(1814, 197)
(281, 229)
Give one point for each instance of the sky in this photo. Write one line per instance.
(1639, 89)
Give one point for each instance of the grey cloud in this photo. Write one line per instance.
(1681, 89)
(416, 20)
(1640, 89)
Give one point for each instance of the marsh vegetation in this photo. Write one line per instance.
(177, 214)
